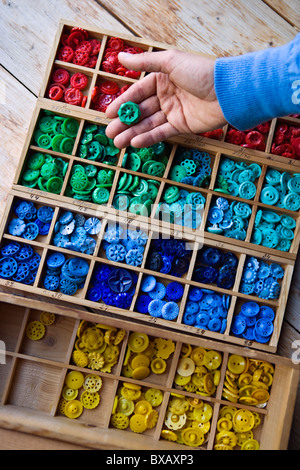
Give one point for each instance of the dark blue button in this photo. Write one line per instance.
(174, 291)
(120, 280)
(55, 260)
(142, 303)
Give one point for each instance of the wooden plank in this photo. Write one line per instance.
(219, 28)
(29, 33)
(15, 118)
(288, 9)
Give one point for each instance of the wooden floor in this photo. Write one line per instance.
(217, 27)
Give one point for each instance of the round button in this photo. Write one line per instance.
(74, 379)
(185, 367)
(138, 342)
(236, 364)
(138, 423)
(120, 280)
(129, 113)
(243, 420)
(269, 195)
(73, 409)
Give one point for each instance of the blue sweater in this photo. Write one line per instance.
(258, 86)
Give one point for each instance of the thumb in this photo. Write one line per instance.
(146, 61)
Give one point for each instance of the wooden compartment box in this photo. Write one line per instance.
(39, 369)
(66, 139)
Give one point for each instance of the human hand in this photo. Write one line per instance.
(177, 98)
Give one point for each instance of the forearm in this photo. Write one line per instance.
(259, 86)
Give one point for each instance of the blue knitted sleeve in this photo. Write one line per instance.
(258, 86)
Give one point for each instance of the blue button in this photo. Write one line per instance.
(148, 283)
(250, 309)
(55, 260)
(170, 311)
(195, 294)
(142, 303)
(120, 280)
(155, 307)
(238, 325)
(174, 291)
(158, 292)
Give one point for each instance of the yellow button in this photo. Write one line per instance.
(261, 395)
(151, 419)
(154, 396)
(212, 359)
(73, 409)
(224, 424)
(74, 379)
(92, 383)
(243, 420)
(138, 342)
(90, 400)
(185, 367)
(227, 438)
(236, 364)
(140, 361)
(204, 413)
(137, 423)
(131, 386)
(174, 421)
(197, 355)
(143, 407)
(35, 330)
(208, 383)
(119, 421)
(252, 444)
(192, 437)
(47, 318)
(125, 406)
(140, 373)
(181, 381)
(158, 366)
(169, 435)
(69, 393)
(186, 350)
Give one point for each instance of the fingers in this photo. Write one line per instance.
(137, 93)
(147, 61)
(158, 134)
(123, 139)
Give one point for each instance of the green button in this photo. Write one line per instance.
(100, 195)
(133, 162)
(129, 113)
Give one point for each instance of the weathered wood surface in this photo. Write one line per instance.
(215, 27)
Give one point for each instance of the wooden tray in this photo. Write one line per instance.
(34, 374)
(217, 149)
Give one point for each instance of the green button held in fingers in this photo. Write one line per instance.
(129, 113)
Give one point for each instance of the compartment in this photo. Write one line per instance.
(151, 161)
(255, 138)
(64, 273)
(281, 189)
(69, 86)
(19, 263)
(237, 178)
(47, 336)
(79, 46)
(135, 194)
(229, 218)
(181, 207)
(112, 285)
(34, 385)
(188, 421)
(136, 409)
(106, 91)
(76, 232)
(86, 397)
(192, 166)
(148, 358)
(98, 347)
(285, 141)
(85, 183)
(44, 171)
(94, 145)
(124, 243)
(159, 297)
(11, 321)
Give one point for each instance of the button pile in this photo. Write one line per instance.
(56, 132)
(281, 189)
(145, 355)
(253, 322)
(273, 230)
(286, 140)
(97, 346)
(94, 145)
(158, 299)
(76, 232)
(213, 266)
(124, 245)
(192, 167)
(36, 329)
(235, 429)
(206, 309)
(80, 392)
(78, 48)
(44, 172)
(68, 89)
(104, 93)
(229, 219)
(114, 286)
(181, 207)
(237, 178)
(19, 262)
(149, 160)
(110, 62)
(261, 278)
(198, 370)
(30, 221)
(135, 194)
(187, 421)
(90, 183)
(66, 275)
(248, 381)
(169, 256)
(253, 138)
(135, 408)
